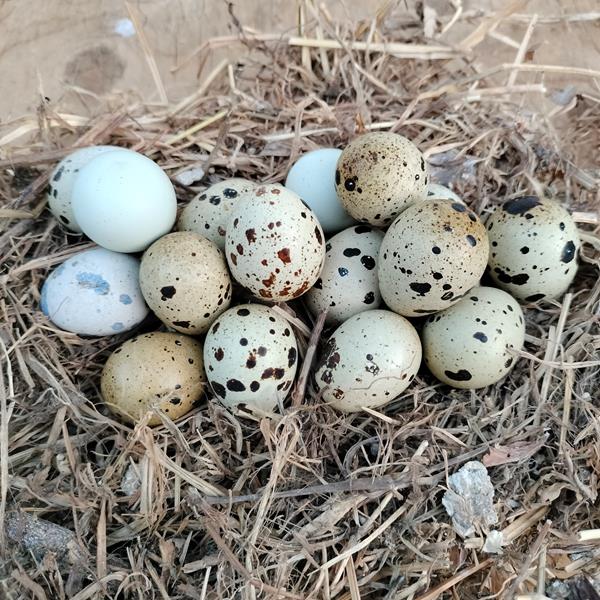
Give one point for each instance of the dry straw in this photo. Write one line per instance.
(311, 503)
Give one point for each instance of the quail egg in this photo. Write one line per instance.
(312, 177)
(60, 188)
(378, 175)
(274, 244)
(123, 201)
(436, 191)
(208, 213)
(474, 343)
(348, 283)
(185, 281)
(95, 292)
(154, 371)
(534, 245)
(251, 357)
(433, 254)
(368, 361)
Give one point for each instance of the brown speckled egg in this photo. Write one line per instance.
(473, 343)
(185, 281)
(533, 248)
(348, 283)
(368, 361)
(431, 256)
(378, 175)
(251, 357)
(208, 213)
(154, 371)
(274, 244)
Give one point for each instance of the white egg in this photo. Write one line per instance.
(368, 361)
(61, 182)
(95, 292)
(251, 357)
(312, 177)
(437, 191)
(473, 343)
(348, 283)
(123, 201)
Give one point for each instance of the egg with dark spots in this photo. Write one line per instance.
(272, 250)
(380, 174)
(535, 243)
(475, 342)
(368, 361)
(62, 179)
(251, 357)
(436, 191)
(208, 213)
(185, 281)
(95, 292)
(432, 254)
(348, 283)
(154, 372)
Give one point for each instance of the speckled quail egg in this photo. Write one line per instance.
(378, 175)
(154, 371)
(433, 253)
(185, 281)
(60, 187)
(208, 213)
(95, 292)
(474, 343)
(534, 245)
(274, 244)
(312, 177)
(436, 191)
(348, 283)
(251, 357)
(123, 201)
(368, 361)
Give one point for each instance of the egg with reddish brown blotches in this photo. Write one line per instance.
(274, 244)
(378, 175)
(433, 254)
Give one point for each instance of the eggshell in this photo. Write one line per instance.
(123, 201)
(154, 371)
(274, 244)
(60, 187)
(534, 246)
(312, 177)
(208, 213)
(368, 361)
(185, 281)
(95, 292)
(348, 283)
(432, 255)
(251, 357)
(436, 191)
(467, 345)
(378, 175)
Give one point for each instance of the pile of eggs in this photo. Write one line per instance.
(393, 261)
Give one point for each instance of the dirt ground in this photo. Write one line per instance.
(74, 51)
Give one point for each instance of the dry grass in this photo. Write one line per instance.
(312, 504)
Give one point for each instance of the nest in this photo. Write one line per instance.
(310, 503)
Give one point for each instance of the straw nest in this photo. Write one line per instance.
(310, 503)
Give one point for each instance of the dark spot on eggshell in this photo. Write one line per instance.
(472, 241)
(284, 256)
(333, 360)
(425, 311)
(318, 235)
(520, 206)
(58, 174)
(230, 193)
(534, 297)
(420, 288)
(251, 361)
(220, 230)
(272, 373)
(524, 250)
(251, 235)
(362, 229)
(235, 385)
(243, 341)
(369, 298)
(64, 219)
(436, 250)
(568, 253)
(262, 351)
(240, 249)
(461, 375)
(219, 354)
(349, 252)
(318, 284)
(508, 362)
(218, 389)
(437, 276)
(479, 335)
(183, 324)
(327, 377)
(342, 271)
(291, 356)
(269, 281)
(350, 184)
(233, 258)
(458, 207)
(520, 279)
(368, 262)
(561, 226)
(215, 200)
(167, 292)
(254, 386)
(447, 296)
(175, 401)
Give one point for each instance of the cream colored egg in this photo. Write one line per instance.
(154, 371)
(274, 244)
(534, 244)
(368, 361)
(251, 357)
(378, 175)
(432, 254)
(474, 343)
(348, 283)
(208, 213)
(185, 281)
(436, 191)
